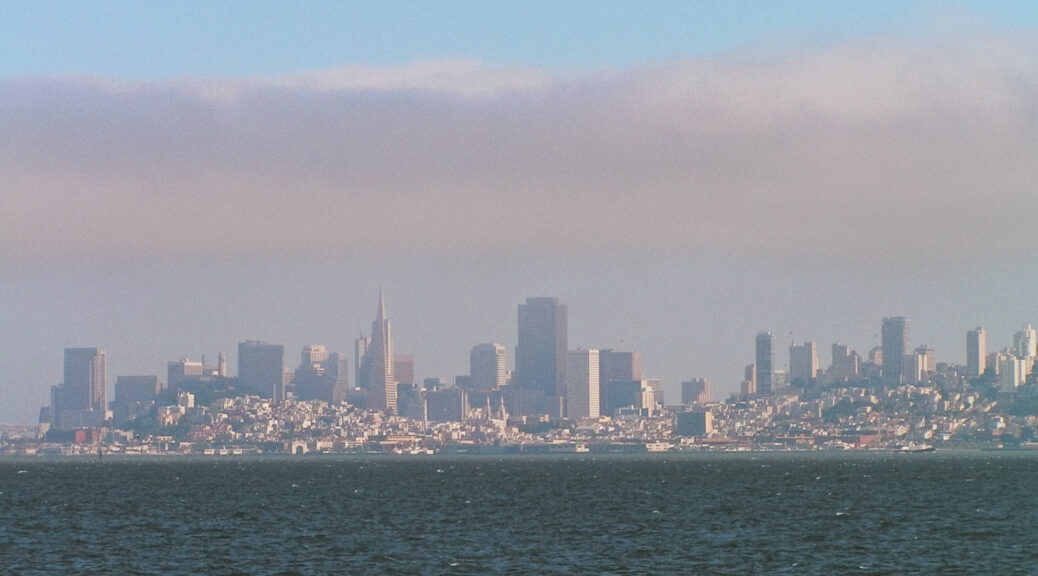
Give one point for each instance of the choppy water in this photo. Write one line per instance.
(695, 514)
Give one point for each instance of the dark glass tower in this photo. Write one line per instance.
(540, 356)
(895, 346)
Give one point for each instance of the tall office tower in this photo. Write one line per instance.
(928, 358)
(134, 395)
(361, 362)
(313, 355)
(540, 357)
(321, 375)
(80, 401)
(846, 363)
(696, 391)
(381, 384)
(1012, 371)
(616, 366)
(1026, 342)
(976, 352)
(487, 366)
(339, 366)
(749, 382)
(221, 369)
(261, 369)
(582, 384)
(403, 369)
(765, 371)
(181, 372)
(130, 389)
(447, 405)
(803, 362)
(624, 397)
(895, 346)
(85, 379)
(913, 368)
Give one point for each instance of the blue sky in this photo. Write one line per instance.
(149, 39)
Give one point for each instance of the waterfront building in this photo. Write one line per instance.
(695, 423)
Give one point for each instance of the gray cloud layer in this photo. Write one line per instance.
(861, 149)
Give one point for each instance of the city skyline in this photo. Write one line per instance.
(262, 368)
(681, 175)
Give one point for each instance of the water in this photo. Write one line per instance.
(966, 513)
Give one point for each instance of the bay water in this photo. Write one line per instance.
(745, 513)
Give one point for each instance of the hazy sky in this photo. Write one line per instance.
(177, 177)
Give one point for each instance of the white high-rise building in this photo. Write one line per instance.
(1026, 342)
(1012, 371)
(314, 354)
(487, 366)
(382, 385)
(582, 384)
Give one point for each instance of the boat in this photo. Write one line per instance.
(913, 448)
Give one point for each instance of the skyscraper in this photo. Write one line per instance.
(976, 352)
(360, 361)
(540, 356)
(261, 369)
(803, 362)
(1026, 342)
(487, 366)
(403, 369)
(846, 363)
(695, 391)
(765, 371)
(895, 346)
(616, 366)
(86, 378)
(381, 384)
(582, 384)
(80, 400)
(321, 375)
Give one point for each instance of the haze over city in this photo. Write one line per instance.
(175, 180)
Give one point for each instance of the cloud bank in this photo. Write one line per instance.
(863, 150)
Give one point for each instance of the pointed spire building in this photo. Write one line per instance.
(382, 385)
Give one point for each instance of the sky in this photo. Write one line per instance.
(179, 177)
